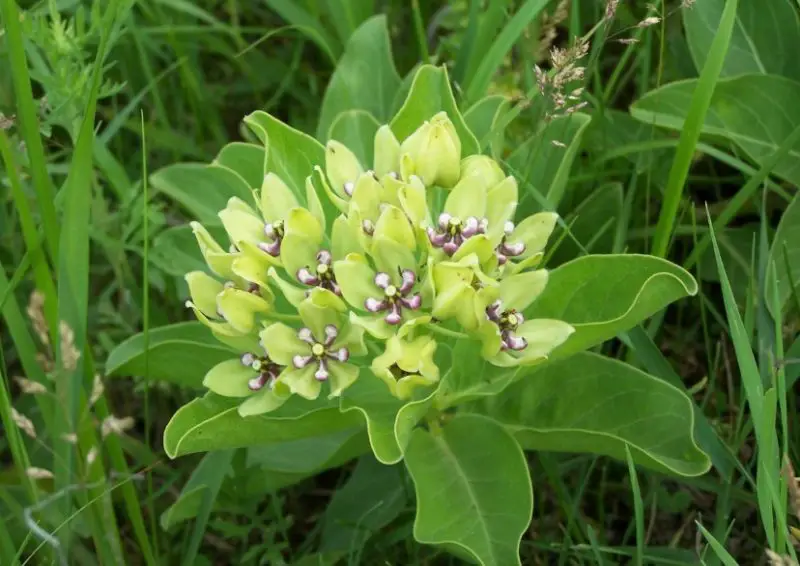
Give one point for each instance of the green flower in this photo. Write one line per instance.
(225, 308)
(387, 295)
(463, 291)
(255, 376)
(508, 339)
(473, 219)
(387, 153)
(318, 352)
(526, 240)
(433, 153)
(406, 365)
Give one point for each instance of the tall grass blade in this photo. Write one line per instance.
(690, 134)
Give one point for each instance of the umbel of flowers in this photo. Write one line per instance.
(426, 247)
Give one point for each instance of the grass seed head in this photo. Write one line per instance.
(69, 353)
(35, 312)
(38, 473)
(30, 387)
(23, 422)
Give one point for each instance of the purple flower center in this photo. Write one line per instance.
(450, 231)
(274, 232)
(267, 371)
(508, 249)
(507, 321)
(320, 353)
(322, 275)
(394, 299)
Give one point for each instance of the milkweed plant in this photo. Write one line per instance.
(408, 296)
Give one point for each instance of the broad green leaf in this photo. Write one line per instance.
(603, 295)
(179, 353)
(756, 112)
(473, 489)
(765, 39)
(543, 167)
(373, 497)
(203, 190)
(431, 93)
(176, 252)
(370, 397)
(356, 129)
(246, 159)
(469, 376)
(308, 455)
(291, 154)
(484, 119)
(593, 223)
(590, 403)
(213, 423)
(365, 78)
(785, 255)
(204, 483)
(410, 415)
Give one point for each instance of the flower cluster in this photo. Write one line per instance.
(424, 247)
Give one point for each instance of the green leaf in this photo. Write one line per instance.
(469, 376)
(733, 115)
(306, 23)
(203, 190)
(785, 255)
(365, 78)
(473, 489)
(373, 497)
(603, 295)
(246, 159)
(765, 38)
(213, 423)
(371, 397)
(176, 252)
(431, 93)
(204, 483)
(590, 403)
(356, 129)
(543, 167)
(291, 154)
(736, 247)
(484, 119)
(179, 353)
(309, 455)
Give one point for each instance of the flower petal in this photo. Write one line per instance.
(240, 307)
(277, 199)
(204, 290)
(302, 381)
(341, 166)
(468, 198)
(252, 265)
(295, 295)
(297, 252)
(366, 195)
(479, 245)
(413, 200)
(355, 278)
(352, 338)
(242, 226)
(342, 376)
(321, 181)
(264, 401)
(483, 168)
(230, 378)
(375, 326)
(534, 232)
(393, 224)
(219, 328)
(314, 204)
(491, 340)
(316, 315)
(344, 237)
(217, 258)
(281, 343)
(519, 291)
(387, 152)
(300, 222)
(392, 257)
(501, 202)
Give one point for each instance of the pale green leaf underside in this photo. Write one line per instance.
(591, 403)
(603, 295)
(473, 489)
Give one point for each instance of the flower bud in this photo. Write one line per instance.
(342, 168)
(435, 150)
(387, 152)
(406, 365)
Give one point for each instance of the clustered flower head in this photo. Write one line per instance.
(425, 248)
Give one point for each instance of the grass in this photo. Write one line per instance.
(80, 223)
